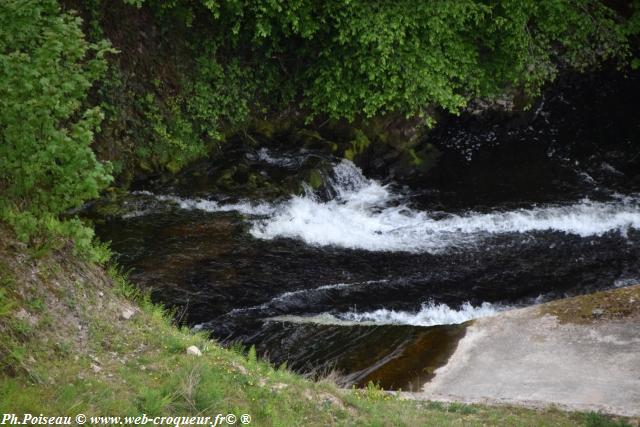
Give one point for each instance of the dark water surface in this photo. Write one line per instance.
(375, 279)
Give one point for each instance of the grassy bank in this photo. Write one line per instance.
(77, 338)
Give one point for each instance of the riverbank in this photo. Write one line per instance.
(76, 339)
(580, 353)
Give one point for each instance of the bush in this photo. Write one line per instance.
(363, 58)
(46, 163)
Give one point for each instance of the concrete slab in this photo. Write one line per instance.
(538, 356)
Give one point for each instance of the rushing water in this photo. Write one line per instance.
(376, 279)
(363, 214)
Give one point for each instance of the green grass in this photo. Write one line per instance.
(65, 349)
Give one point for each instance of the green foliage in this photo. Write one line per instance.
(178, 129)
(6, 304)
(359, 143)
(155, 124)
(373, 391)
(461, 408)
(203, 69)
(594, 419)
(364, 58)
(123, 287)
(153, 402)
(46, 163)
(172, 141)
(218, 94)
(251, 356)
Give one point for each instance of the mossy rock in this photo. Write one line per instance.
(145, 166)
(427, 158)
(174, 166)
(315, 179)
(110, 205)
(311, 140)
(358, 145)
(225, 179)
(623, 303)
(264, 127)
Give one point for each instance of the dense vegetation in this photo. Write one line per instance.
(351, 58)
(234, 60)
(192, 73)
(46, 163)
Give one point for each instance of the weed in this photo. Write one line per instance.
(594, 419)
(461, 408)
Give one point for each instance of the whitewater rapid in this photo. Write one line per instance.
(366, 215)
(430, 314)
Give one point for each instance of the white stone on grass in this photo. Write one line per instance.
(194, 351)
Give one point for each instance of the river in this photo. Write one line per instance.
(370, 277)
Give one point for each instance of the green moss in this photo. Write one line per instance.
(226, 178)
(315, 179)
(264, 127)
(173, 166)
(349, 154)
(427, 158)
(623, 303)
(415, 159)
(357, 145)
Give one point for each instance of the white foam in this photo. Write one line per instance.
(366, 215)
(626, 281)
(429, 315)
(285, 160)
(244, 207)
(136, 213)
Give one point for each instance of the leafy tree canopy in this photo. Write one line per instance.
(359, 57)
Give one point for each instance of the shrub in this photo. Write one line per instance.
(362, 58)
(46, 163)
